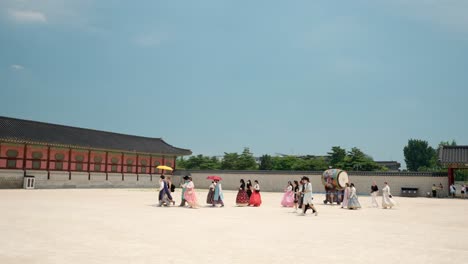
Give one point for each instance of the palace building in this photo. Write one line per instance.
(59, 153)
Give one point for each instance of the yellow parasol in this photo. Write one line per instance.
(162, 167)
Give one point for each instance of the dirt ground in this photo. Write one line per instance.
(125, 226)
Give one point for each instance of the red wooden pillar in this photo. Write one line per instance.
(89, 165)
(48, 163)
(136, 166)
(69, 163)
(106, 164)
(174, 163)
(24, 158)
(163, 163)
(451, 176)
(151, 168)
(122, 166)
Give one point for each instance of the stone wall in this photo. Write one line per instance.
(269, 180)
(277, 181)
(11, 179)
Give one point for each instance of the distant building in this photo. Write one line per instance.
(390, 165)
(30, 145)
(454, 158)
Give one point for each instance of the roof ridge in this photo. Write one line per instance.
(75, 127)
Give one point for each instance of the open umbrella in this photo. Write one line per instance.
(214, 178)
(162, 167)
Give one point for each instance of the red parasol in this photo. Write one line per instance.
(214, 178)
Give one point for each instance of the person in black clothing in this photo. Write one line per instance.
(296, 194)
(249, 188)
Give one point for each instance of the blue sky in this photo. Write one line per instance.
(294, 77)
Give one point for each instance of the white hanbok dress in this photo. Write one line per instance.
(387, 201)
(308, 193)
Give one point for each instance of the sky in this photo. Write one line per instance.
(291, 77)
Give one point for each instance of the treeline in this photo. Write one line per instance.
(338, 157)
(420, 156)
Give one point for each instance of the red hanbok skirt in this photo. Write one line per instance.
(242, 198)
(255, 199)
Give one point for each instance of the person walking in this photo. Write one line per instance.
(249, 188)
(296, 195)
(387, 198)
(190, 195)
(255, 198)
(288, 197)
(210, 195)
(242, 198)
(182, 185)
(374, 192)
(307, 204)
(463, 191)
(218, 194)
(353, 202)
(453, 190)
(347, 190)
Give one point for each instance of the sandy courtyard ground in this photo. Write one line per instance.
(124, 226)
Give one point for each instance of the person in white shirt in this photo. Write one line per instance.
(308, 197)
(453, 190)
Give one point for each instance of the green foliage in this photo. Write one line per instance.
(419, 155)
(234, 161)
(266, 162)
(337, 156)
(355, 160)
(199, 162)
(448, 143)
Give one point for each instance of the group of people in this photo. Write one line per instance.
(248, 194)
(189, 196)
(453, 191)
(299, 195)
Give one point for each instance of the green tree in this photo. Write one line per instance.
(246, 160)
(448, 143)
(200, 162)
(337, 156)
(358, 160)
(266, 162)
(230, 161)
(284, 163)
(419, 155)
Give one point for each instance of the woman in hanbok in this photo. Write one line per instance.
(218, 194)
(288, 197)
(387, 200)
(347, 190)
(210, 196)
(249, 188)
(255, 198)
(182, 199)
(190, 195)
(296, 195)
(353, 202)
(374, 192)
(242, 198)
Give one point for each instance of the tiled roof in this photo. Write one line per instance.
(19, 130)
(453, 154)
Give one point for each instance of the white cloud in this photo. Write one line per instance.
(17, 67)
(27, 16)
